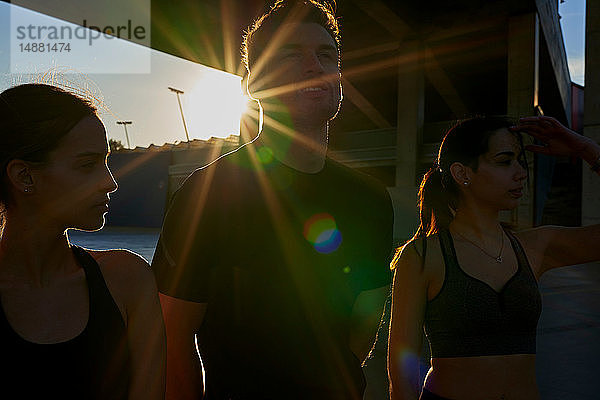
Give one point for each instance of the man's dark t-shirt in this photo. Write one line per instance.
(279, 256)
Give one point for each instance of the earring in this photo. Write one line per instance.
(465, 183)
(27, 189)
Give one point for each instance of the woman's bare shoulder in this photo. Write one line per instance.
(423, 252)
(530, 236)
(125, 271)
(534, 240)
(419, 262)
(123, 260)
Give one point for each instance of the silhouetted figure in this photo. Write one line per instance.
(471, 282)
(276, 256)
(74, 323)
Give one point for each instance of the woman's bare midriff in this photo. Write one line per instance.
(507, 377)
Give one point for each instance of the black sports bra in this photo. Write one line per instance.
(469, 318)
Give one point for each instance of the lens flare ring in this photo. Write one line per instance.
(322, 233)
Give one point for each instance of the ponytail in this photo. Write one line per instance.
(437, 202)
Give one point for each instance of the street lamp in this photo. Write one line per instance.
(178, 92)
(125, 123)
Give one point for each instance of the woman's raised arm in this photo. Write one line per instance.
(561, 246)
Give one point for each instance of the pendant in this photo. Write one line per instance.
(499, 259)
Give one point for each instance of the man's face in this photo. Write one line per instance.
(303, 74)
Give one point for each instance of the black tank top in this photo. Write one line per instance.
(93, 365)
(469, 318)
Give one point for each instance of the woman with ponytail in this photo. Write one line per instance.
(74, 323)
(468, 280)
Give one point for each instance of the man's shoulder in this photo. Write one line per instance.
(354, 179)
(231, 169)
(231, 163)
(340, 168)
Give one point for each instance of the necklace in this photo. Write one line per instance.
(497, 258)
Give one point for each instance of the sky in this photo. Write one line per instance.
(130, 82)
(572, 23)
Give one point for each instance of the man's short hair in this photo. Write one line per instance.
(287, 11)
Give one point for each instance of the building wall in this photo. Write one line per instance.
(590, 206)
(141, 197)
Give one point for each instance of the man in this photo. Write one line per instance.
(275, 255)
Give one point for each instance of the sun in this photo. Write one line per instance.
(214, 106)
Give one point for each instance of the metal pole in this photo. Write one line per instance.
(178, 92)
(125, 123)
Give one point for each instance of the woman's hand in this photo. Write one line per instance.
(557, 140)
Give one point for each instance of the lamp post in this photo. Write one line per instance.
(125, 123)
(178, 92)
